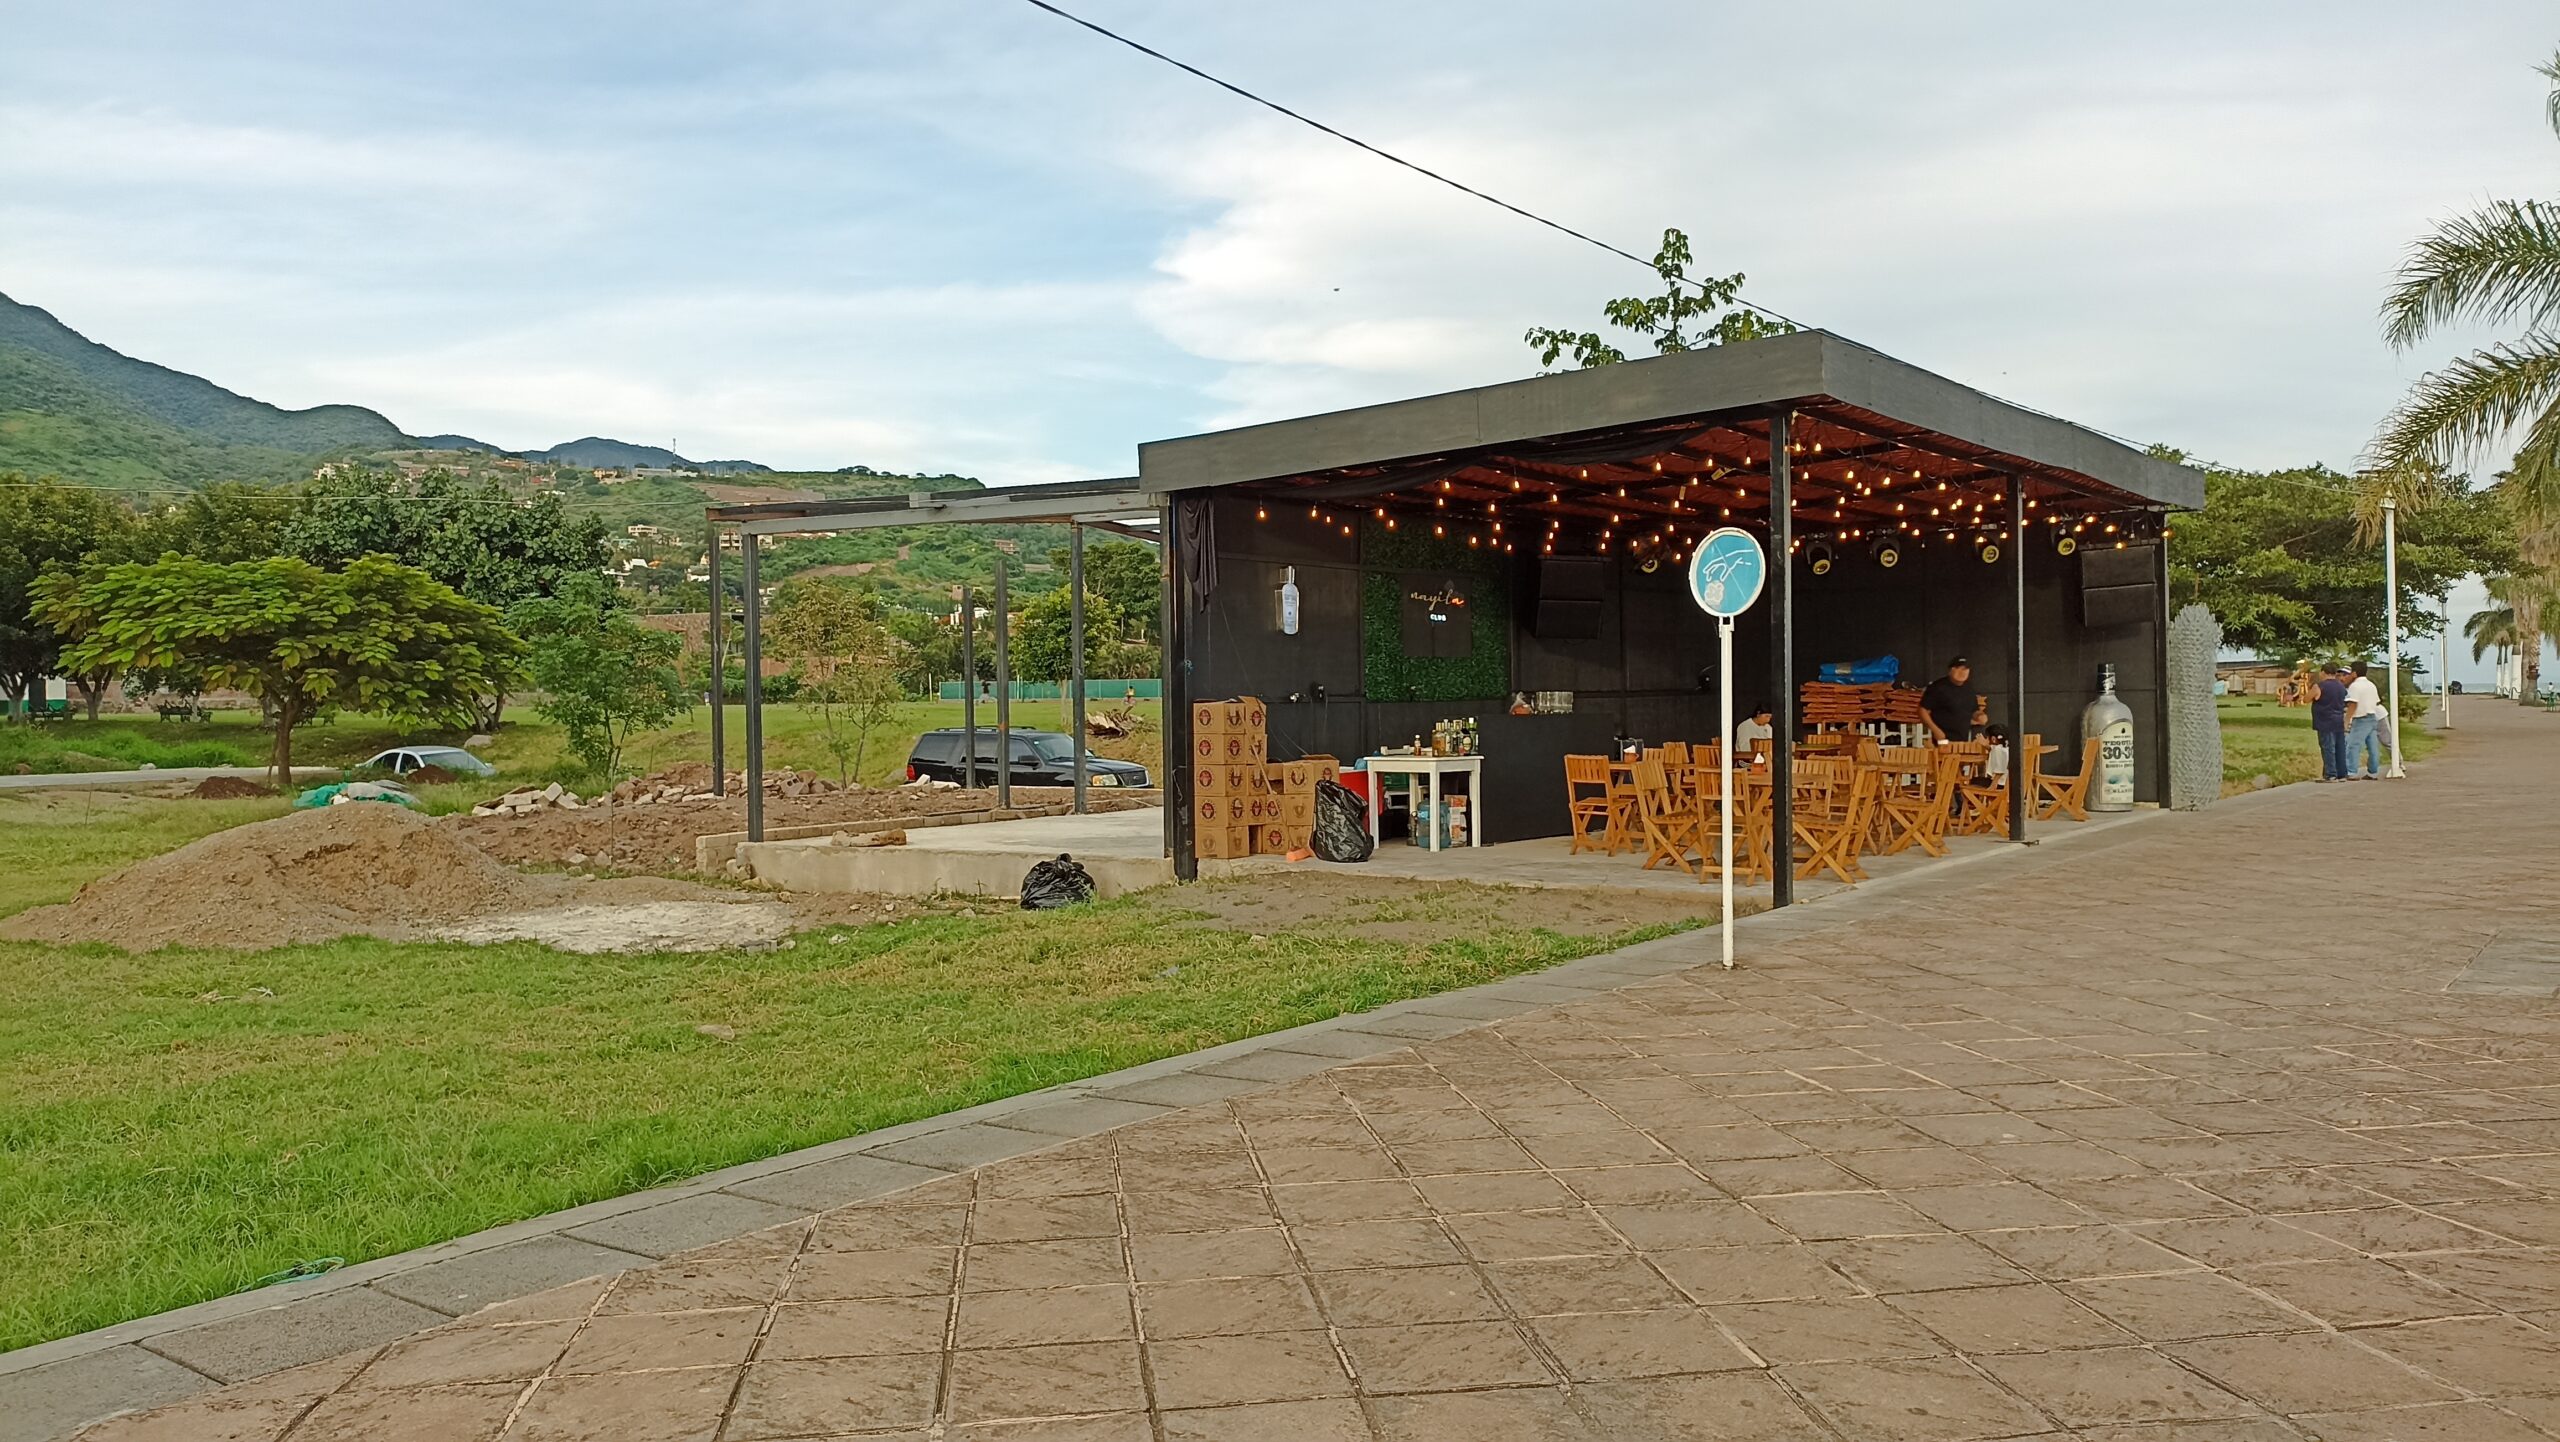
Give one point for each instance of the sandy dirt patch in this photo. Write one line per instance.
(636, 926)
(1391, 909)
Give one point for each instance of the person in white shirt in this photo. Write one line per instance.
(1752, 731)
(2365, 713)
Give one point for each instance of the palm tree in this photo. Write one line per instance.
(2512, 623)
(2492, 630)
(2498, 265)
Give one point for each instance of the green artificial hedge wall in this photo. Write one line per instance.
(1388, 558)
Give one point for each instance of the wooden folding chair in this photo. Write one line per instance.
(1590, 797)
(1832, 832)
(1914, 800)
(2059, 795)
(1750, 826)
(1670, 827)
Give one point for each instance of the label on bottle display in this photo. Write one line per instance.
(2115, 766)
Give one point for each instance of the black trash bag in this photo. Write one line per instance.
(1342, 823)
(1053, 884)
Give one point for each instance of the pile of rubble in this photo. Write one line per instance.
(554, 797)
(692, 782)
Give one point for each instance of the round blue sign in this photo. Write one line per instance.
(1726, 572)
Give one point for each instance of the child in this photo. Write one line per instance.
(1995, 767)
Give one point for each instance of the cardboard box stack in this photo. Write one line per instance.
(1243, 804)
(1229, 751)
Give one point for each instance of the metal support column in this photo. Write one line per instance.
(1782, 663)
(2159, 747)
(1181, 835)
(719, 676)
(2019, 761)
(1004, 696)
(1075, 655)
(748, 545)
(968, 688)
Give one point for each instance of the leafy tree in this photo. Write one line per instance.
(1676, 320)
(483, 540)
(2278, 557)
(928, 650)
(1040, 637)
(377, 636)
(2499, 265)
(227, 521)
(49, 528)
(603, 675)
(847, 661)
(1126, 573)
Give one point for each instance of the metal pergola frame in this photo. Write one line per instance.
(1117, 505)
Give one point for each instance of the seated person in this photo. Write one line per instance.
(1995, 768)
(1753, 733)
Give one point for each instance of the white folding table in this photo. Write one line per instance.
(1433, 768)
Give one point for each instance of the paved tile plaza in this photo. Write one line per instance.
(2240, 1126)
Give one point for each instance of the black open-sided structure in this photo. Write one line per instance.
(1997, 518)
(1453, 551)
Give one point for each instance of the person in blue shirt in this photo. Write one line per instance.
(2329, 722)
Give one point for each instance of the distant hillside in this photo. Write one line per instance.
(188, 403)
(83, 411)
(599, 453)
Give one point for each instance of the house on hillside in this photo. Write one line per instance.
(643, 531)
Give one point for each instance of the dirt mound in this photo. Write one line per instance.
(227, 788)
(307, 876)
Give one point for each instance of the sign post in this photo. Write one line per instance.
(1725, 576)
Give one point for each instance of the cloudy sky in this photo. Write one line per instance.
(964, 235)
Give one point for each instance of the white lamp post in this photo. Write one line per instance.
(2391, 592)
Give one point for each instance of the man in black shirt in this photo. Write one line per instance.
(2329, 722)
(1948, 706)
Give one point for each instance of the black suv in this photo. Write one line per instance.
(1040, 758)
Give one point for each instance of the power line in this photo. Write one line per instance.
(1389, 156)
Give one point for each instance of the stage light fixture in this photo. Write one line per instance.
(2065, 544)
(1821, 557)
(1887, 552)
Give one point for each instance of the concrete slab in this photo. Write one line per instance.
(43, 1403)
(2512, 965)
(1188, 1090)
(682, 1225)
(1412, 1025)
(956, 1149)
(1081, 1116)
(468, 1283)
(1338, 1042)
(1122, 849)
(836, 1183)
(292, 1333)
(1271, 1066)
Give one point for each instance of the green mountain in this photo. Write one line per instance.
(73, 408)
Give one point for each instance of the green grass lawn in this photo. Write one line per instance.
(2261, 738)
(526, 748)
(170, 1132)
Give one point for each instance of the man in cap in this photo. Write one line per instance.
(1948, 706)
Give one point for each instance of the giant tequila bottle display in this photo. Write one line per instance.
(2109, 722)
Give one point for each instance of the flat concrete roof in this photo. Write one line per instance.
(1807, 369)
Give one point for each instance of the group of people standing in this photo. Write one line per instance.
(2347, 715)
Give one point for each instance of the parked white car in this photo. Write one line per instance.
(401, 760)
